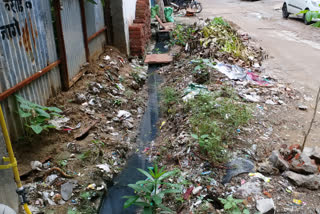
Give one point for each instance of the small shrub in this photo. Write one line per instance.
(147, 194)
(233, 206)
(169, 97)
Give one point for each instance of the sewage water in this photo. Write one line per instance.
(113, 201)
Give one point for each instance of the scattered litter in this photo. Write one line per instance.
(236, 167)
(107, 58)
(36, 165)
(123, 114)
(270, 102)
(303, 108)
(298, 202)
(187, 194)
(206, 173)
(59, 122)
(67, 189)
(85, 131)
(196, 190)
(194, 90)
(51, 179)
(259, 175)
(104, 167)
(265, 205)
(92, 186)
(235, 72)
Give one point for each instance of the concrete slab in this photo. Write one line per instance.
(158, 59)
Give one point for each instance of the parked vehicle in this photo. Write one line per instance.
(184, 4)
(296, 6)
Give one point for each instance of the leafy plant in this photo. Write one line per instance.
(169, 97)
(117, 102)
(233, 206)
(36, 116)
(311, 15)
(148, 192)
(182, 34)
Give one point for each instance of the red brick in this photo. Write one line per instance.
(158, 59)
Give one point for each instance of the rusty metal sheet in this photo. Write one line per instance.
(73, 36)
(27, 45)
(95, 22)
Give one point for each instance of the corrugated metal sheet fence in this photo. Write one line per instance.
(28, 46)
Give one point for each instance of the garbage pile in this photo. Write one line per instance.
(79, 159)
(218, 39)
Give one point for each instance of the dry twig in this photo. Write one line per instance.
(312, 120)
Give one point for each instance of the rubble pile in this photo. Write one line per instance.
(88, 150)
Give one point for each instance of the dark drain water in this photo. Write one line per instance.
(113, 201)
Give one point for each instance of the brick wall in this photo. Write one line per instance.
(140, 30)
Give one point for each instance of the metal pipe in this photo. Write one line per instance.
(27, 81)
(97, 34)
(12, 159)
(61, 45)
(84, 30)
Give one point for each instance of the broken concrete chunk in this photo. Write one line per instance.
(308, 181)
(313, 153)
(278, 162)
(158, 59)
(265, 206)
(303, 164)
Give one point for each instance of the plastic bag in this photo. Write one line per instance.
(168, 11)
(155, 11)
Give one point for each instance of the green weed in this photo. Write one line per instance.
(233, 206)
(169, 97)
(36, 116)
(181, 35)
(147, 194)
(214, 120)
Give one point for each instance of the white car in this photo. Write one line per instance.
(296, 6)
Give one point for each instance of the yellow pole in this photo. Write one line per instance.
(11, 156)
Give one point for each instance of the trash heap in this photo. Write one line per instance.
(71, 167)
(214, 60)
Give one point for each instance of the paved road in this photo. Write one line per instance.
(293, 48)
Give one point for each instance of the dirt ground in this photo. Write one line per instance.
(108, 86)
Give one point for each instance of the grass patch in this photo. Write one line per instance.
(214, 120)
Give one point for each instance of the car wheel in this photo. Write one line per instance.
(305, 20)
(285, 13)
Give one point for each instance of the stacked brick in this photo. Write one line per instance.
(140, 30)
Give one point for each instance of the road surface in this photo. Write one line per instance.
(293, 48)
